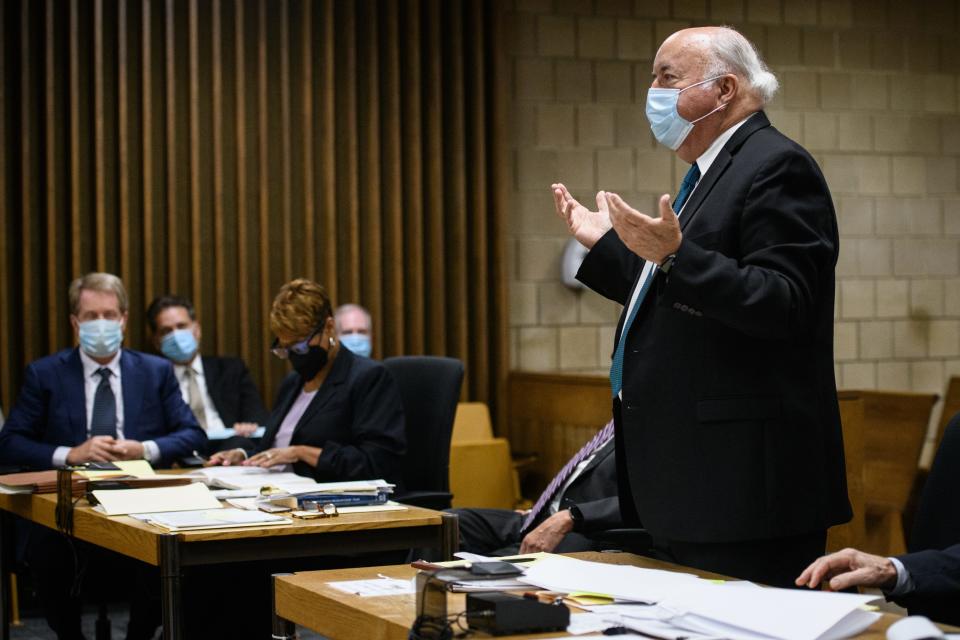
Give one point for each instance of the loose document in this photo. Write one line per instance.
(683, 605)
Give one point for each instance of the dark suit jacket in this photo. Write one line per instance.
(356, 418)
(233, 392)
(936, 579)
(730, 427)
(594, 492)
(51, 409)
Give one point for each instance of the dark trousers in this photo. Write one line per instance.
(63, 569)
(776, 562)
(496, 532)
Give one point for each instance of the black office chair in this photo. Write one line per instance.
(429, 389)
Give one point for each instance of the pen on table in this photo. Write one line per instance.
(201, 456)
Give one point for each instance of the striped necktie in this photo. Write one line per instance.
(616, 365)
(585, 452)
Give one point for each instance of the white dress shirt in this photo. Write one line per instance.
(91, 380)
(703, 163)
(214, 421)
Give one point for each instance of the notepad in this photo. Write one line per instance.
(186, 497)
(127, 468)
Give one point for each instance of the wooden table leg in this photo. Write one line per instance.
(170, 596)
(283, 629)
(449, 535)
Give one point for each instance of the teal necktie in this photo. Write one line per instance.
(616, 365)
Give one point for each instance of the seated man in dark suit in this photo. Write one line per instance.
(581, 499)
(219, 390)
(926, 580)
(98, 402)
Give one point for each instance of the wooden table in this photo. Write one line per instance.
(307, 600)
(171, 552)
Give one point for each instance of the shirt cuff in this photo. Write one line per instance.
(904, 580)
(60, 457)
(151, 451)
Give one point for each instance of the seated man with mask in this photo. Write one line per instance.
(98, 402)
(219, 390)
(354, 328)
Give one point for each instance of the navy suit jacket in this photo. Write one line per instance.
(356, 418)
(728, 374)
(936, 580)
(51, 409)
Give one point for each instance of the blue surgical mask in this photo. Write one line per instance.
(357, 343)
(179, 345)
(668, 126)
(100, 338)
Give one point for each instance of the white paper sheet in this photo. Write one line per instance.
(212, 519)
(913, 628)
(582, 623)
(382, 586)
(185, 497)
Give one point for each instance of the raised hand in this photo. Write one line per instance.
(650, 238)
(584, 225)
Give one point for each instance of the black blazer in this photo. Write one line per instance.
(233, 392)
(936, 580)
(594, 492)
(356, 418)
(730, 426)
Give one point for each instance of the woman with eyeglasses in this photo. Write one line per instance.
(337, 416)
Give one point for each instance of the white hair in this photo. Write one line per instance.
(347, 308)
(730, 52)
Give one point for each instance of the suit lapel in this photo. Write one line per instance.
(75, 390)
(336, 377)
(754, 123)
(212, 378)
(132, 381)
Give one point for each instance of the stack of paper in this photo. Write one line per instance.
(211, 519)
(703, 607)
(186, 497)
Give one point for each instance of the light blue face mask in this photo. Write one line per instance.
(179, 345)
(100, 338)
(357, 343)
(668, 126)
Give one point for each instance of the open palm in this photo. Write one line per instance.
(584, 225)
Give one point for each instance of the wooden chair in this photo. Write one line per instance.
(895, 427)
(482, 472)
(853, 533)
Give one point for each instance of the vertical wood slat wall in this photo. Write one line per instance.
(218, 149)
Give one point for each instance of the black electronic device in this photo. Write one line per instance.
(495, 568)
(507, 613)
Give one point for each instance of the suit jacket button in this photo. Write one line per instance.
(683, 307)
(676, 305)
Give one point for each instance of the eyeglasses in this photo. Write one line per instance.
(299, 348)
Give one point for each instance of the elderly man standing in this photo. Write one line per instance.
(728, 439)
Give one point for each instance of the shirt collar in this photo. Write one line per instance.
(91, 366)
(196, 365)
(707, 157)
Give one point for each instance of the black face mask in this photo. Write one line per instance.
(309, 364)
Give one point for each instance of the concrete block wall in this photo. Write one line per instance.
(870, 87)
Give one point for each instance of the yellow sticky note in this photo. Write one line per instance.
(589, 598)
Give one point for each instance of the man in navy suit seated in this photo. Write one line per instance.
(98, 402)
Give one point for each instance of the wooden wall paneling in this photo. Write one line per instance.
(287, 252)
(123, 149)
(30, 304)
(54, 301)
(263, 205)
(436, 300)
(413, 179)
(171, 283)
(497, 218)
(328, 138)
(196, 184)
(76, 246)
(99, 135)
(244, 297)
(348, 151)
(478, 245)
(307, 167)
(370, 169)
(217, 318)
(147, 150)
(458, 288)
(392, 323)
